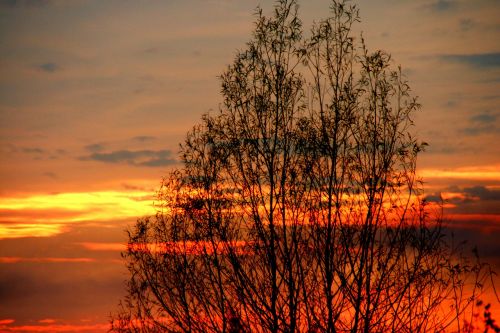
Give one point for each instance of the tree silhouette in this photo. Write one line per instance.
(297, 207)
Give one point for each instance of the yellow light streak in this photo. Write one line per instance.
(45, 215)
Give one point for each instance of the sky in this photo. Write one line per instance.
(95, 97)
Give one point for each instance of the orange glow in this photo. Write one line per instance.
(13, 260)
(491, 172)
(104, 246)
(6, 321)
(193, 248)
(56, 328)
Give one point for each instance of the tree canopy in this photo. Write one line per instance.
(297, 207)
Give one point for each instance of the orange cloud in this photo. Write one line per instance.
(6, 321)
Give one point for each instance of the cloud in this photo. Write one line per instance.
(483, 123)
(479, 60)
(32, 150)
(49, 67)
(23, 3)
(435, 197)
(478, 130)
(483, 193)
(144, 138)
(149, 158)
(484, 118)
(95, 147)
(441, 6)
(467, 24)
(479, 200)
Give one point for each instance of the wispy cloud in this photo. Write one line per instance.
(467, 24)
(484, 118)
(478, 130)
(32, 150)
(95, 147)
(479, 60)
(483, 123)
(149, 158)
(144, 138)
(49, 67)
(442, 5)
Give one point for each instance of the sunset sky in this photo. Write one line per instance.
(95, 97)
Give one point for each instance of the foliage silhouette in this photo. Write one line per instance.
(297, 207)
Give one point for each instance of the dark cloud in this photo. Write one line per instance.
(144, 138)
(478, 130)
(478, 200)
(32, 150)
(444, 148)
(470, 199)
(436, 197)
(467, 24)
(451, 103)
(49, 67)
(23, 3)
(443, 5)
(482, 193)
(482, 123)
(484, 118)
(95, 147)
(479, 60)
(149, 158)
(130, 187)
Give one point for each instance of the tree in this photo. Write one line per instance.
(297, 207)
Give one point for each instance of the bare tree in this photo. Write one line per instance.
(297, 208)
